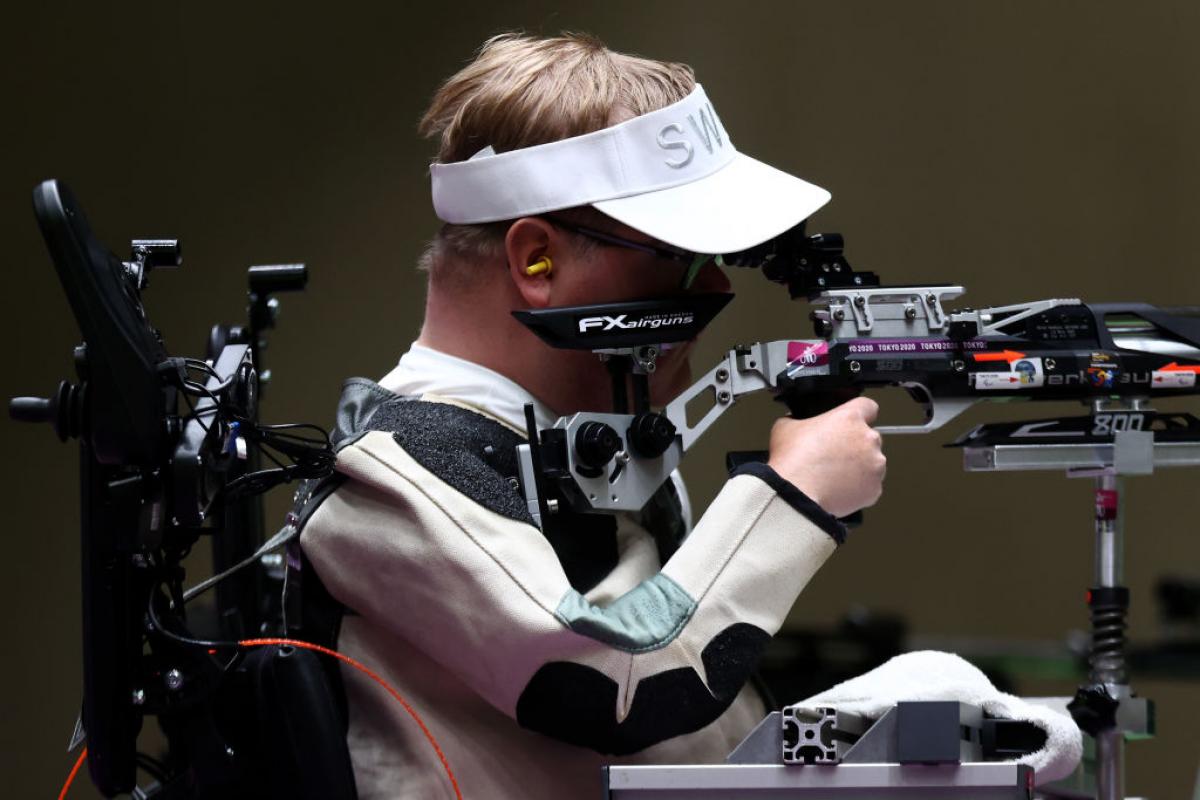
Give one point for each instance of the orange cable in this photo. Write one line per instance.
(347, 659)
(78, 763)
(366, 671)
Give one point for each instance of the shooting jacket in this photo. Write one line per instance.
(535, 659)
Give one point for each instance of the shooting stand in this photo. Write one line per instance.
(1117, 440)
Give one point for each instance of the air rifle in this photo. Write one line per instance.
(1114, 357)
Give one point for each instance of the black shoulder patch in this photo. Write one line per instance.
(574, 703)
(477, 456)
(470, 452)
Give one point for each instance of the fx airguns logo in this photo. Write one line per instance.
(624, 322)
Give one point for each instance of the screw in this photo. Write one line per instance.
(820, 281)
(229, 751)
(173, 680)
(855, 366)
(651, 352)
(723, 397)
(931, 299)
(139, 696)
(860, 301)
(722, 375)
(622, 457)
(839, 315)
(1051, 363)
(959, 366)
(858, 279)
(804, 262)
(825, 268)
(910, 312)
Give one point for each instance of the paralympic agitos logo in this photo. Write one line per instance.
(604, 323)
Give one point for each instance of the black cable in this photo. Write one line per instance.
(199, 389)
(152, 766)
(194, 414)
(223, 383)
(311, 456)
(198, 363)
(292, 425)
(274, 460)
(203, 412)
(158, 626)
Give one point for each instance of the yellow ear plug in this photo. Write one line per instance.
(542, 266)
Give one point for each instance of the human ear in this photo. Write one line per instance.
(531, 241)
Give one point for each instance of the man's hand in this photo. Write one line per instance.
(835, 458)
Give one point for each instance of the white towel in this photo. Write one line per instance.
(930, 675)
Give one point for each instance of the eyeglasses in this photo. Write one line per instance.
(694, 261)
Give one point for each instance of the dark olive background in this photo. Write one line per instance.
(1022, 149)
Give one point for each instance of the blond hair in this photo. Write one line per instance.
(522, 91)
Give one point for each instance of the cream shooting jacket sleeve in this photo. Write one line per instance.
(484, 595)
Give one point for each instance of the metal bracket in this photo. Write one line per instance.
(889, 311)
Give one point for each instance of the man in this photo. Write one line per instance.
(567, 175)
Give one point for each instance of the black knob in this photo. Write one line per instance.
(30, 409)
(827, 243)
(62, 410)
(1094, 709)
(243, 393)
(651, 434)
(596, 444)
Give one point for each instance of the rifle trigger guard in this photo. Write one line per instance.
(939, 412)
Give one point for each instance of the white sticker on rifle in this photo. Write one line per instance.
(1172, 379)
(1026, 373)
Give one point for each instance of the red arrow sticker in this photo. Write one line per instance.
(1005, 355)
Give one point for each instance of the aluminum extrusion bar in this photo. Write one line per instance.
(981, 781)
(1006, 457)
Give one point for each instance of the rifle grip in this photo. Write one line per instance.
(802, 405)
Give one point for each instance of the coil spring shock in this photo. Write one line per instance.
(1108, 606)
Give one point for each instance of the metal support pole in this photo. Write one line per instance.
(1110, 542)
(1108, 633)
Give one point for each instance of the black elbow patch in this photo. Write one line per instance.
(577, 704)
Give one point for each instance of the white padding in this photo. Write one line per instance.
(932, 675)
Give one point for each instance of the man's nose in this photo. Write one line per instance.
(711, 279)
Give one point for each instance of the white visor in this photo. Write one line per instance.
(672, 174)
